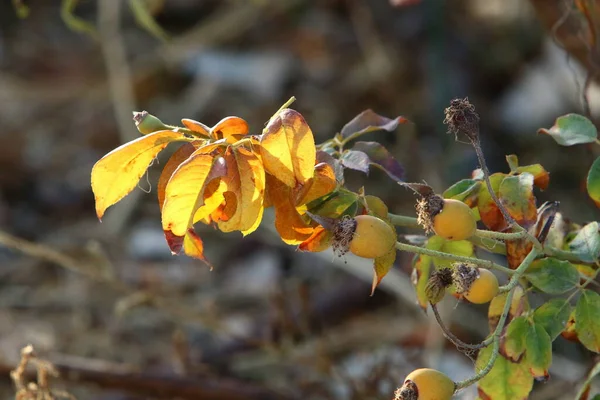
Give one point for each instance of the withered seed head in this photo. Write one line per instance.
(427, 208)
(343, 233)
(462, 117)
(464, 275)
(437, 284)
(408, 391)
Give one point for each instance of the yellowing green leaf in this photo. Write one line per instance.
(245, 178)
(288, 148)
(381, 266)
(488, 210)
(513, 346)
(506, 381)
(553, 316)
(553, 276)
(116, 174)
(587, 320)
(538, 351)
(516, 193)
(422, 265)
(519, 305)
(463, 248)
(593, 182)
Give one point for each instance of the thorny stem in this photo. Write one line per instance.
(483, 263)
(495, 338)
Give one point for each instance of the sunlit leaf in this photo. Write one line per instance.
(587, 320)
(586, 244)
(463, 248)
(335, 164)
(516, 193)
(380, 157)
(196, 126)
(553, 316)
(339, 203)
(194, 247)
(513, 346)
(323, 182)
(369, 121)
(185, 189)
(506, 381)
(381, 266)
(593, 182)
(356, 160)
(488, 210)
(214, 198)
(288, 222)
(288, 148)
(178, 156)
(230, 128)
(320, 240)
(539, 351)
(572, 129)
(245, 179)
(541, 177)
(116, 174)
(553, 276)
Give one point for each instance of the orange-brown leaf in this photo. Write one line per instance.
(230, 128)
(184, 193)
(516, 251)
(489, 212)
(194, 247)
(288, 222)
(196, 126)
(323, 182)
(245, 179)
(179, 156)
(288, 148)
(116, 174)
(213, 199)
(320, 240)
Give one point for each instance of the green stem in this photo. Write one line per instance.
(495, 338)
(483, 263)
(402, 220)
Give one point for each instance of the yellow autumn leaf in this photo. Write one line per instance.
(323, 182)
(288, 148)
(288, 222)
(230, 128)
(213, 198)
(194, 247)
(245, 181)
(178, 156)
(184, 191)
(196, 126)
(116, 174)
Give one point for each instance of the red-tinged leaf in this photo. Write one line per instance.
(323, 182)
(116, 174)
(230, 128)
(196, 126)
(184, 192)
(288, 222)
(587, 320)
(572, 129)
(320, 240)
(381, 158)
(175, 242)
(245, 178)
(516, 193)
(288, 148)
(516, 251)
(356, 160)
(593, 182)
(488, 210)
(179, 156)
(570, 333)
(194, 247)
(369, 121)
(541, 177)
(381, 266)
(538, 351)
(506, 380)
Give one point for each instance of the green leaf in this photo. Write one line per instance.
(422, 269)
(541, 177)
(553, 316)
(369, 121)
(593, 182)
(381, 266)
(586, 244)
(538, 351)
(513, 162)
(587, 320)
(381, 158)
(341, 202)
(506, 381)
(461, 190)
(514, 339)
(553, 276)
(462, 248)
(516, 193)
(572, 129)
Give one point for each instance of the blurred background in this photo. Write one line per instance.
(123, 319)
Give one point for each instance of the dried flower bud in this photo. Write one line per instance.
(437, 284)
(462, 117)
(464, 275)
